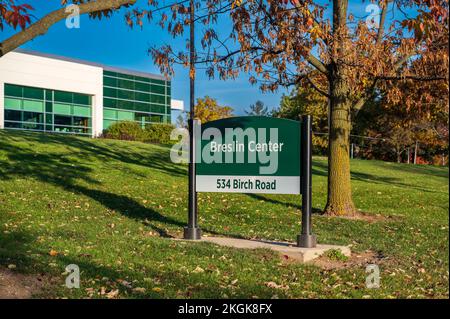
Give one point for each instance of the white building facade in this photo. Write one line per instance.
(41, 92)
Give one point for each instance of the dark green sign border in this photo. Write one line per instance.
(288, 158)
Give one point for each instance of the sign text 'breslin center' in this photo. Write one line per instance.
(249, 154)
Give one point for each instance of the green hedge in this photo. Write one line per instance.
(132, 131)
(158, 133)
(125, 130)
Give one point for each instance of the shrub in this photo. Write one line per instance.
(335, 254)
(125, 130)
(159, 133)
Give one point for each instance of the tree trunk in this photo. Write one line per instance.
(399, 157)
(415, 154)
(339, 200)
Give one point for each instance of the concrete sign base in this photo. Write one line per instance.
(291, 250)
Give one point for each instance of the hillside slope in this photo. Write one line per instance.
(111, 207)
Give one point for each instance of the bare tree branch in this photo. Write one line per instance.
(315, 62)
(370, 91)
(382, 20)
(414, 78)
(317, 88)
(41, 26)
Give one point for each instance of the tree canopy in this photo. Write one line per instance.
(207, 109)
(279, 43)
(258, 109)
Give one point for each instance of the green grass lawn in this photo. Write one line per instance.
(111, 207)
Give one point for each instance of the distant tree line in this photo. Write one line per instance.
(385, 128)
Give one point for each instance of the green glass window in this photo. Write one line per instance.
(81, 111)
(48, 107)
(13, 104)
(32, 126)
(142, 79)
(61, 109)
(125, 84)
(158, 89)
(109, 81)
(33, 117)
(64, 97)
(143, 107)
(13, 90)
(13, 125)
(126, 95)
(126, 105)
(49, 95)
(140, 95)
(109, 92)
(125, 76)
(158, 108)
(145, 87)
(109, 103)
(109, 114)
(63, 120)
(159, 82)
(48, 118)
(13, 115)
(33, 93)
(157, 99)
(107, 123)
(81, 121)
(81, 99)
(33, 106)
(156, 119)
(109, 73)
(143, 97)
(125, 116)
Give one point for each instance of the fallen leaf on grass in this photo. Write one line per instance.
(112, 294)
(125, 284)
(274, 285)
(53, 253)
(198, 270)
(139, 290)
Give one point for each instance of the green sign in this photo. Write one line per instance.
(250, 154)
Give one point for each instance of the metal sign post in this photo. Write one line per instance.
(192, 231)
(306, 238)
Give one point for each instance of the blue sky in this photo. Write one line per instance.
(111, 42)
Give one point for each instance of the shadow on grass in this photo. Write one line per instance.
(279, 202)
(132, 209)
(436, 171)
(320, 168)
(32, 258)
(84, 147)
(129, 208)
(65, 171)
